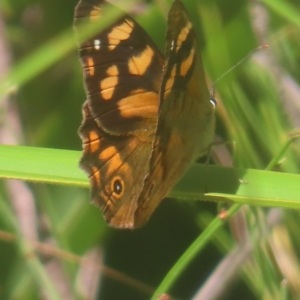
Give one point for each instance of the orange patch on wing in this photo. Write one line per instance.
(93, 136)
(108, 82)
(107, 87)
(126, 169)
(90, 66)
(112, 71)
(108, 153)
(140, 103)
(93, 146)
(173, 71)
(119, 33)
(115, 163)
(187, 63)
(107, 94)
(169, 84)
(138, 65)
(183, 35)
(130, 24)
(112, 46)
(170, 81)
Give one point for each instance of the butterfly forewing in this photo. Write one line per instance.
(122, 72)
(185, 122)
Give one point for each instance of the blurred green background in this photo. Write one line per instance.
(258, 108)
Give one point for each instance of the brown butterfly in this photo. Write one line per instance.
(146, 118)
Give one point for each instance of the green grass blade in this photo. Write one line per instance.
(41, 165)
(212, 183)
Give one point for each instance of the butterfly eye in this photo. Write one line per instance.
(117, 187)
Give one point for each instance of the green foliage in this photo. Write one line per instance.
(178, 251)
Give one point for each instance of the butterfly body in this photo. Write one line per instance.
(146, 118)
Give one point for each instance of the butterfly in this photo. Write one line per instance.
(147, 116)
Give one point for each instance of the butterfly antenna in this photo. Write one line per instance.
(212, 89)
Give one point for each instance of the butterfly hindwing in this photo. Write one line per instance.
(116, 168)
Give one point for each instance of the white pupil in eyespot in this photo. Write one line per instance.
(118, 187)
